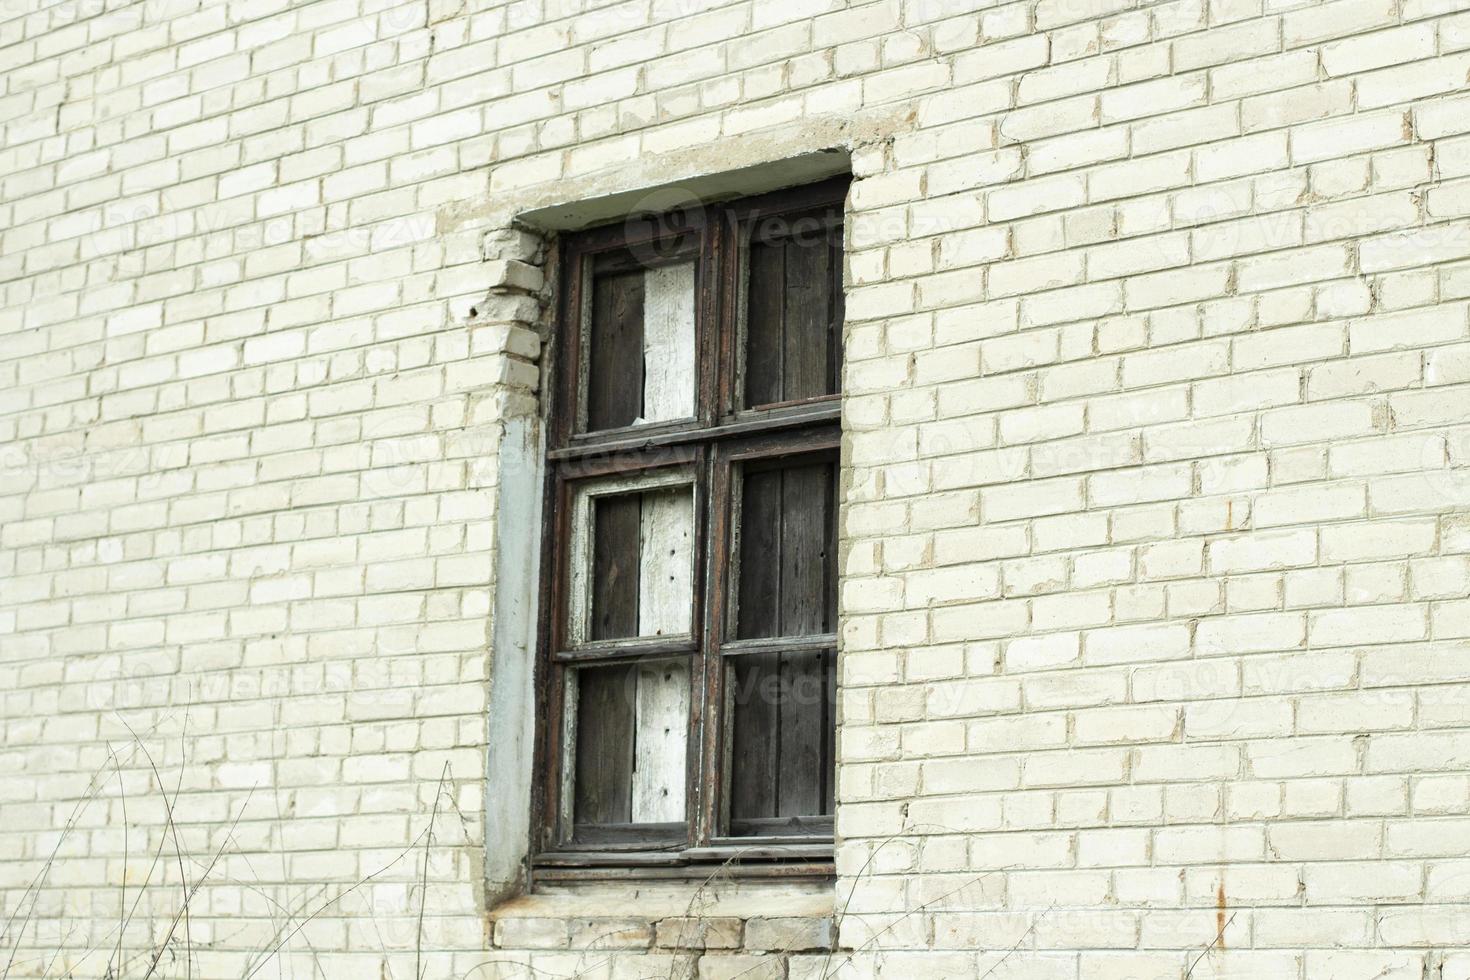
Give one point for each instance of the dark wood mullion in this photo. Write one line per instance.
(566, 355)
(714, 764)
(715, 313)
(709, 331)
(552, 677)
(706, 505)
(709, 319)
(726, 322)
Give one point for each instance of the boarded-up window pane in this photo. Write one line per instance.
(793, 314)
(787, 556)
(641, 360)
(631, 743)
(782, 710)
(642, 564)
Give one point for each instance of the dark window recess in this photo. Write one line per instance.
(781, 702)
(787, 533)
(783, 721)
(689, 665)
(615, 389)
(793, 328)
(642, 563)
(630, 748)
(641, 343)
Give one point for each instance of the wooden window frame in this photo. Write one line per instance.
(712, 445)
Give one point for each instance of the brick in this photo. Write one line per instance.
(788, 934)
(532, 933)
(690, 932)
(731, 966)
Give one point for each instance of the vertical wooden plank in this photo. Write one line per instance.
(661, 740)
(803, 551)
(668, 343)
(616, 533)
(756, 715)
(764, 311)
(807, 319)
(666, 562)
(615, 358)
(799, 731)
(760, 549)
(605, 745)
(756, 736)
(759, 556)
(804, 496)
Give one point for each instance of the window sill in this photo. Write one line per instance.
(784, 861)
(771, 857)
(654, 899)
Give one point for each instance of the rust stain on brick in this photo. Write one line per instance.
(1220, 922)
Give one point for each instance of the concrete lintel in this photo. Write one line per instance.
(695, 188)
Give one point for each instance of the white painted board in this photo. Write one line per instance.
(666, 562)
(668, 343)
(662, 742)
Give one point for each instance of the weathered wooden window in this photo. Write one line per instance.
(689, 615)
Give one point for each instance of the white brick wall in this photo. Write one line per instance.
(1156, 629)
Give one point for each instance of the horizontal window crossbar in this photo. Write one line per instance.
(636, 648)
(795, 870)
(766, 850)
(634, 442)
(779, 644)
